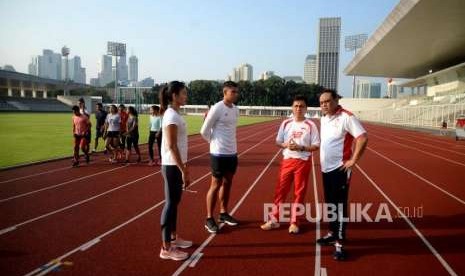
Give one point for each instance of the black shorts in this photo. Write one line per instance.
(222, 165)
(113, 134)
(132, 140)
(87, 137)
(98, 133)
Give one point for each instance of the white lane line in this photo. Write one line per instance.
(195, 259)
(14, 227)
(410, 223)
(426, 144)
(323, 272)
(198, 138)
(317, 223)
(238, 204)
(36, 174)
(61, 184)
(422, 151)
(418, 176)
(100, 237)
(84, 177)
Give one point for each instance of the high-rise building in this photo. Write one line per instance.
(106, 72)
(310, 69)
(133, 69)
(242, 73)
(329, 36)
(266, 75)
(122, 69)
(246, 71)
(76, 72)
(367, 89)
(48, 65)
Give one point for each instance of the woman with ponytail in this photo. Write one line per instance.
(174, 167)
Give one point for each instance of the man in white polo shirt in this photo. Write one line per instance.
(340, 130)
(219, 129)
(299, 138)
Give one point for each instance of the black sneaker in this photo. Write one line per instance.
(339, 254)
(75, 163)
(211, 226)
(226, 218)
(326, 240)
(87, 159)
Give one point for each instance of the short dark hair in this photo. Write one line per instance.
(100, 104)
(300, 98)
(333, 93)
(229, 84)
(81, 100)
(75, 108)
(155, 107)
(121, 106)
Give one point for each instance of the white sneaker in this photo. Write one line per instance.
(173, 254)
(269, 225)
(178, 242)
(293, 229)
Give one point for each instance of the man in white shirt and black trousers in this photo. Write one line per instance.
(340, 130)
(219, 129)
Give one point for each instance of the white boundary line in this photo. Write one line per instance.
(236, 207)
(83, 177)
(422, 151)
(86, 246)
(410, 223)
(318, 267)
(418, 176)
(14, 227)
(421, 143)
(194, 139)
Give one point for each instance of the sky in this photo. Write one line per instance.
(185, 40)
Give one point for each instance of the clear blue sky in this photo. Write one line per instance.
(184, 40)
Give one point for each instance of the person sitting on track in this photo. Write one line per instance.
(339, 130)
(155, 133)
(112, 132)
(298, 137)
(174, 168)
(81, 127)
(132, 135)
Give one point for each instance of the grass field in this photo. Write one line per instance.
(29, 137)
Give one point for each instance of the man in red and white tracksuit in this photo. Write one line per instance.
(298, 137)
(340, 130)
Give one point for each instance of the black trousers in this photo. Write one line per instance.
(152, 138)
(173, 191)
(336, 189)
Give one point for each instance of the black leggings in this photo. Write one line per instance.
(173, 191)
(336, 187)
(152, 138)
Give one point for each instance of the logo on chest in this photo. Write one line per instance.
(297, 134)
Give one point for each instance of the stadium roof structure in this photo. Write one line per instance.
(416, 37)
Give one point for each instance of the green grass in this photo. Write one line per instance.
(29, 137)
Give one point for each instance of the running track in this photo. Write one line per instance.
(103, 219)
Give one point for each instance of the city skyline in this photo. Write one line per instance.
(204, 44)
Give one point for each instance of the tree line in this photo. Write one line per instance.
(274, 91)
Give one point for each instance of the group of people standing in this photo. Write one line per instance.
(341, 144)
(119, 129)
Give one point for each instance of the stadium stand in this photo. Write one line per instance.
(32, 104)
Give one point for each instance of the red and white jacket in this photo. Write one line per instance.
(303, 133)
(338, 132)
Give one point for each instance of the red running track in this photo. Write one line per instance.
(103, 219)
